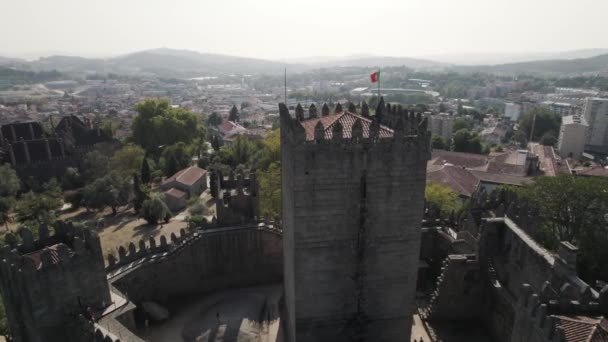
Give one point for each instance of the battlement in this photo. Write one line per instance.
(143, 252)
(552, 320)
(390, 125)
(49, 250)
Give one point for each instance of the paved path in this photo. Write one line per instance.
(418, 330)
(243, 317)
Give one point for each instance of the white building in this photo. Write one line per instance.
(512, 111)
(561, 108)
(441, 125)
(595, 112)
(572, 136)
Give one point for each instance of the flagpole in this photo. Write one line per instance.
(378, 84)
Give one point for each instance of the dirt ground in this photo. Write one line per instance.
(124, 227)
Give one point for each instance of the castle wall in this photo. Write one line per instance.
(351, 217)
(47, 282)
(207, 261)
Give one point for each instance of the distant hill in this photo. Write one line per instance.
(577, 66)
(190, 63)
(367, 61)
(161, 62)
(509, 58)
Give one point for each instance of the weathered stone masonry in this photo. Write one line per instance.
(352, 207)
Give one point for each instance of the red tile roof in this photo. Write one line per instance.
(187, 176)
(460, 180)
(36, 256)
(347, 120)
(596, 172)
(468, 160)
(584, 329)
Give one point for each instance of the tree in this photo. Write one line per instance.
(270, 191)
(467, 141)
(175, 158)
(96, 165)
(214, 119)
(36, 209)
(141, 193)
(107, 127)
(548, 139)
(145, 171)
(440, 197)
(234, 114)
(520, 137)
(546, 121)
(110, 191)
(127, 160)
(215, 143)
(573, 209)
(72, 179)
(9, 186)
(437, 142)
(158, 124)
(442, 107)
(460, 123)
(154, 210)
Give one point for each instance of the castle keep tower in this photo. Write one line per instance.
(48, 283)
(353, 193)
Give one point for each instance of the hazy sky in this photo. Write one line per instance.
(277, 29)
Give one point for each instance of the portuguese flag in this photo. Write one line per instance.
(375, 77)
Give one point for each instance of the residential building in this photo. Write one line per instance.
(561, 108)
(512, 111)
(596, 114)
(441, 125)
(572, 135)
(189, 182)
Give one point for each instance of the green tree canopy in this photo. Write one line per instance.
(573, 209)
(111, 191)
(467, 141)
(158, 124)
(96, 165)
(460, 123)
(214, 119)
(437, 142)
(234, 114)
(440, 197)
(154, 210)
(9, 186)
(35, 209)
(546, 121)
(175, 158)
(128, 160)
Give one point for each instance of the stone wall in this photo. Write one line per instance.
(458, 290)
(47, 282)
(352, 209)
(202, 262)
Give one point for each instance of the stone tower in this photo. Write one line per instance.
(48, 283)
(353, 193)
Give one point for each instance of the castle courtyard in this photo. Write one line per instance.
(245, 315)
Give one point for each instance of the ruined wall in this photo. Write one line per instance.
(202, 262)
(352, 209)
